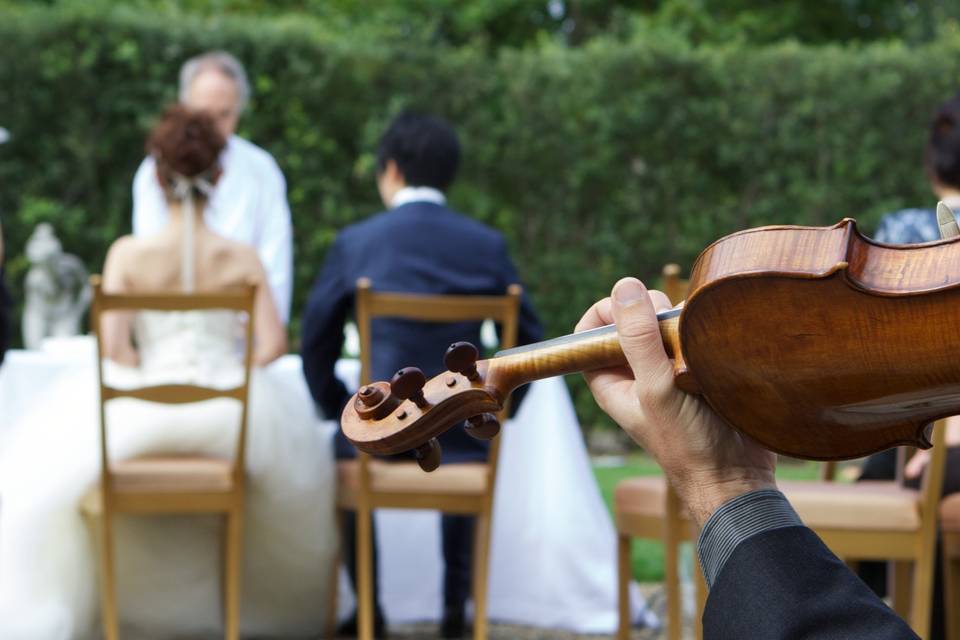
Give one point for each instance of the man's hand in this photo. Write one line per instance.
(706, 461)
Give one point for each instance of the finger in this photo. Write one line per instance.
(660, 300)
(637, 327)
(598, 315)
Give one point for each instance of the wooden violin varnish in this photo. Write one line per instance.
(815, 341)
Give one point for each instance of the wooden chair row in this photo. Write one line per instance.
(195, 484)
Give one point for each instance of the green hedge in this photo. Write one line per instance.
(597, 162)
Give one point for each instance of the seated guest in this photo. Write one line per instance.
(418, 245)
(942, 166)
(769, 576)
(911, 226)
(168, 569)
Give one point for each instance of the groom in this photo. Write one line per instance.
(418, 245)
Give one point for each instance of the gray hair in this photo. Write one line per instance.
(220, 61)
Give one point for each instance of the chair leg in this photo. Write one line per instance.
(921, 602)
(898, 586)
(364, 573)
(951, 585)
(232, 555)
(333, 585)
(623, 586)
(671, 559)
(108, 594)
(481, 570)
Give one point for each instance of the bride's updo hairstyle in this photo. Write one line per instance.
(185, 143)
(943, 146)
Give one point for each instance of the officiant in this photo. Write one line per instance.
(250, 203)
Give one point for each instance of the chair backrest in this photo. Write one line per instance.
(372, 304)
(674, 286)
(931, 486)
(240, 300)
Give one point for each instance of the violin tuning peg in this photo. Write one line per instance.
(428, 455)
(370, 395)
(461, 357)
(407, 384)
(485, 426)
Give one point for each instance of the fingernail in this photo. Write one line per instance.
(628, 291)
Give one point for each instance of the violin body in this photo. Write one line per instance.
(816, 342)
(822, 344)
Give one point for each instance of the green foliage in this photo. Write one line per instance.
(597, 162)
(511, 23)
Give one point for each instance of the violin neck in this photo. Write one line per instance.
(585, 351)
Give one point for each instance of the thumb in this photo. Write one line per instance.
(637, 328)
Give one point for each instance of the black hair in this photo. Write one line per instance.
(425, 148)
(943, 146)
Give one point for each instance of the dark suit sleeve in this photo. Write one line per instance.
(529, 328)
(322, 334)
(784, 583)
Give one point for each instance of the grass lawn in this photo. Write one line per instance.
(647, 555)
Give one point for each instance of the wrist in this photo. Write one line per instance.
(704, 495)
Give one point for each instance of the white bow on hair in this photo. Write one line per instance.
(183, 190)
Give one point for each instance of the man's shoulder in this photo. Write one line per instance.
(146, 171)
(434, 219)
(252, 155)
(476, 226)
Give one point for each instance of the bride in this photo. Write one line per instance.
(168, 568)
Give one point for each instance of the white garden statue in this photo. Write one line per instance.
(56, 291)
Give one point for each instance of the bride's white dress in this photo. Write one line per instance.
(168, 567)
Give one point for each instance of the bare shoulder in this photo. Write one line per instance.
(123, 247)
(238, 259)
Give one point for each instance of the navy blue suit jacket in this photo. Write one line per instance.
(785, 584)
(418, 247)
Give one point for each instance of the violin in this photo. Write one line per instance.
(817, 342)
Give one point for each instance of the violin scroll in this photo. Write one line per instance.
(409, 412)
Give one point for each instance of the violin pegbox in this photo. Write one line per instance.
(409, 412)
(461, 357)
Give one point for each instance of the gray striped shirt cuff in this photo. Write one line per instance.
(735, 521)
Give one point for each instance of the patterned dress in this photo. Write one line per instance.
(908, 226)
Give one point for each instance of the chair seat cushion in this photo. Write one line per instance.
(950, 513)
(643, 496)
(179, 474)
(827, 505)
(870, 505)
(407, 477)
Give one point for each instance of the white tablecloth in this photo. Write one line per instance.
(553, 551)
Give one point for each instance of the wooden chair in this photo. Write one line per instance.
(649, 508)
(882, 520)
(950, 532)
(366, 484)
(171, 484)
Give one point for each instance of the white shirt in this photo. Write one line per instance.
(249, 205)
(417, 194)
